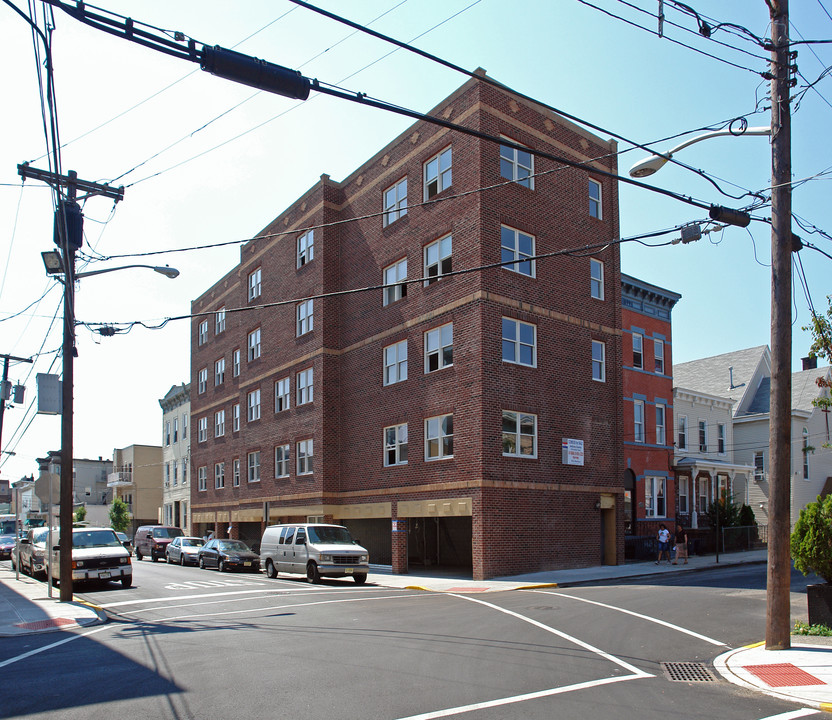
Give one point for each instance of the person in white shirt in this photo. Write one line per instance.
(664, 543)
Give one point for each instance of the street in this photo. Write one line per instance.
(190, 643)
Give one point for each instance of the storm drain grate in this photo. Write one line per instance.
(687, 672)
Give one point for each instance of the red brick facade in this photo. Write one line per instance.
(480, 508)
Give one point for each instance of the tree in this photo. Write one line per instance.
(119, 515)
(821, 329)
(811, 541)
(80, 514)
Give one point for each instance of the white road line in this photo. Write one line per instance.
(638, 615)
(794, 714)
(53, 645)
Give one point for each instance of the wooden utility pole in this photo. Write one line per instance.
(779, 556)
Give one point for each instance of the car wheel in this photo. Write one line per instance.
(126, 581)
(221, 566)
(271, 570)
(201, 562)
(182, 559)
(360, 578)
(312, 574)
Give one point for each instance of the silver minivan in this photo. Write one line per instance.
(316, 550)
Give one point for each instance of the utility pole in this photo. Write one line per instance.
(6, 359)
(69, 237)
(779, 555)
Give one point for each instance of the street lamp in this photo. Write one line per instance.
(54, 266)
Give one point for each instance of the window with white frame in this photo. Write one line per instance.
(438, 259)
(184, 427)
(176, 429)
(167, 474)
(519, 434)
(720, 438)
(703, 436)
(202, 479)
(439, 348)
(305, 317)
(595, 199)
(682, 443)
(235, 472)
(219, 372)
(654, 497)
(235, 417)
(599, 361)
(638, 421)
(281, 461)
(596, 279)
(759, 467)
(519, 342)
(281, 395)
(805, 451)
(395, 445)
(254, 345)
(723, 489)
(219, 321)
(219, 423)
(638, 351)
(703, 495)
(395, 202)
(202, 429)
(254, 466)
(235, 362)
(167, 433)
(439, 437)
(203, 332)
(517, 165)
(175, 468)
(683, 495)
(184, 471)
(517, 245)
(658, 356)
(202, 380)
(437, 173)
(219, 476)
(661, 414)
(306, 248)
(304, 385)
(394, 276)
(395, 363)
(253, 405)
(305, 453)
(254, 284)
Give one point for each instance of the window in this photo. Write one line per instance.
(281, 461)
(202, 430)
(305, 453)
(395, 202)
(517, 245)
(219, 321)
(439, 437)
(219, 371)
(235, 417)
(661, 413)
(203, 332)
(658, 354)
(253, 405)
(596, 279)
(438, 174)
(439, 348)
(683, 495)
(519, 434)
(517, 165)
(638, 351)
(759, 467)
(638, 421)
(394, 286)
(202, 383)
(235, 479)
(304, 384)
(395, 445)
(184, 471)
(235, 363)
(254, 284)
(281, 395)
(176, 429)
(254, 345)
(202, 479)
(184, 426)
(654, 497)
(305, 317)
(254, 467)
(595, 199)
(167, 474)
(167, 433)
(720, 438)
(175, 467)
(219, 423)
(599, 361)
(219, 476)
(703, 436)
(306, 248)
(805, 451)
(395, 363)
(703, 495)
(683, 433)
(519, 342)
(438, 260)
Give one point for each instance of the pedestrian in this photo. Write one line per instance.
(664, 543)
(681, 544)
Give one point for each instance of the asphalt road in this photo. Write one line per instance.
(190, 643)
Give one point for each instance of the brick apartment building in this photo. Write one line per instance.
(649, 486)
(470, 420)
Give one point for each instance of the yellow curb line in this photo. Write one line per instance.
(416, 587)
(748, 647)
(535, 587)
(826, 707)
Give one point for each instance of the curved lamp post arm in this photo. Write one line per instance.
(166, 271)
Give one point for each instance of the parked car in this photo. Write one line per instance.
(125, 541)
(33, 551)
(7, 544)
(152, 540)
(184, 550)
(97, 554)
(314, 549)
(228, 555)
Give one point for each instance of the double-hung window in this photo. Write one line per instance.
(517, 245)
(281, 395)
(254, 288)
(219, 371)
(519, 342)
(517, 165)
(703, 436)
(203, 332)
(254, 466)
(235, 481)
(638, 351)
(703, 495)
(202, 383)
(599, 361)
(595, 199)
(219, 423)
(395, 202)
(661, 414)
(654, 497)
(281, 461)
(305, 318)
(235, 363)
(306, 248)
(219, 475)
(658, 355)
(682, 443)
(395, 287)
(219, 321)
(304, 384)
(519, 434)
(437, 173)
(439, 437)
(438, 259)
(596, 279)
(720, 438)
(235, 417)
(638, 421)
(202, 479)
(305, 452)
(759, 467)
(167, 433)
(254, 345)
(395, 445)
(439, 348)
(176, 429)
(395, 363)
(202, 429)
(253, 405)
(683, 483)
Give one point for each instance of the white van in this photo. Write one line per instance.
(314, 549)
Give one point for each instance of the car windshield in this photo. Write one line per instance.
(191, 542)
(330, 534)
(6, 538)
(166, 532)
(39, 536)
(233, 546)
(95, 538)
(121, 536)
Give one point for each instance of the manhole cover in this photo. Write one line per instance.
(687, 672)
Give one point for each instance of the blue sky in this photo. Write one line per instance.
(217, 161)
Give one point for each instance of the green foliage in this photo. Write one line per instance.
(747, 516)
(802, 628)
(729, 513)
(119, 515)
(811, 541)
(80, 514)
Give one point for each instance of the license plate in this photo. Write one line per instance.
(103, 575)
(348, 571)
(247, 563)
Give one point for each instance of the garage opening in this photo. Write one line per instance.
(443, 542)
(373, 534)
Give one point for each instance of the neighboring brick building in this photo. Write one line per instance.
(649, 487)
(471, 420)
